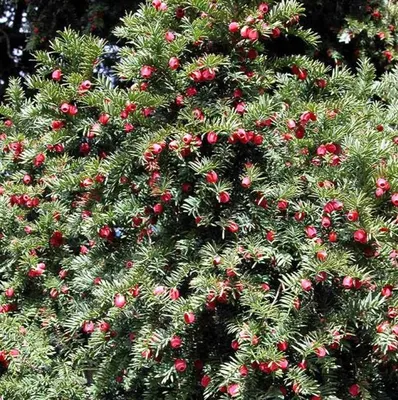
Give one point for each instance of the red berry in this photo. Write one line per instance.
(386, 291)
(270, 236)
(104, 119)
(354, 390)
(233, 390)
(223, 197)
(180, 365)
(212, 177)
(65, 107)
(263, 8)
(246, 182)
(348, 282)
(320, 352)
(311, 232)
(282, 346)
(174, 63)
(383, 184)
(175, 342)
(27, 179)
(212, 137)
(147, 71)
(189, 317)
(119, 301)
(233, 227)
(306, 284)
(360, 236)
(56, 75)
(353, 215)
(205, 381)
(321, 276)
(283, 205)
(321, 255)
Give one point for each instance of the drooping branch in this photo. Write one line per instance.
(7, 40)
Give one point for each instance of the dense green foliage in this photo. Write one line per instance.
(348, 29)
(220, 221)
(27, 25)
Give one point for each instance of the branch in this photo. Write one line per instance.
(277, 294)
(7, 42)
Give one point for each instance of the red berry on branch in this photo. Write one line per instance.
(321, 255)
(233, 389)
(311, 232)
(56, 75)
(223, 197)
(119, 301)
(174, 63)
(383, 184)
(205, 381)
(306, 285)
(189, 317)
(233, 227)
(354, 390)
(175, 342)
(348, 282)
(360, 236)
(212, 177)
(147, 71)
(104, 119)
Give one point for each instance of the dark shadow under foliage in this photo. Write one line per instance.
(31, 24)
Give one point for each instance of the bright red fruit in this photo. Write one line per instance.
(348, 282)
(64, 107)
(224, 197)
(147, 71)
(246, 182)
(56, 239)
(306, 284)
(321, 255)
(39, 160)
(212, 177)
(104, 119)
(174, 294)
(387, 291)
(56, 75)
(27, 179)
(105, 232)
(175, 342)
(205, 381)
(270, 236)
(360, 236)
(189, 317)
(119, 301)
(212, 137)
(383, 184)
(354, 390)
(282, 346)
(233, 390)
(174, 63)
(233, 227)
(180, 365)
(311, 232)
(320, 352)
(104, 326)
(353, 215)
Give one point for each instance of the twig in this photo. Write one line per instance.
(7, 43)
(277, 294)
